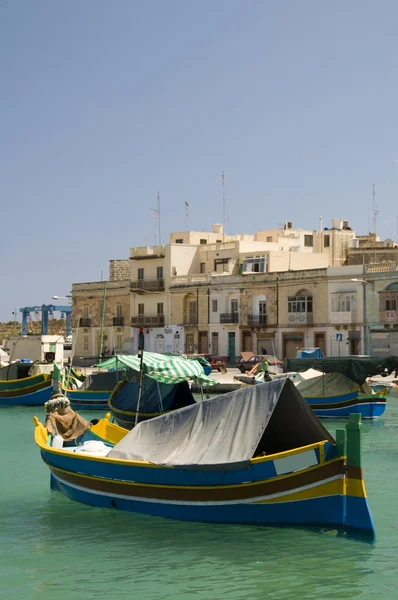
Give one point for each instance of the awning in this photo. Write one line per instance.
(161, 367)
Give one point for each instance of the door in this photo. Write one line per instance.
(159, 343)
(214, 342)
(189, 343)
(292, 344)
(176, 343)
(235, 311)
(203, 342)
(231, 346)
(320, 342)
(247, 341)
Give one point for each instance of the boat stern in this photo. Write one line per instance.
(357, 515)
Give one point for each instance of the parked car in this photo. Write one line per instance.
(216, 363)
(249, 360)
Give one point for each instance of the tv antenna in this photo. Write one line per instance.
(223, 182)
(375, 209)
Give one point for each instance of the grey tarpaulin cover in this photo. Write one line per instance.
(226, 430)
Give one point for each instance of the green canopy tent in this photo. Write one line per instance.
(161, 367)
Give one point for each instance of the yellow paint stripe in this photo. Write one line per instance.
(188, 487)
(356, 487)
(268, 457)
(324, 489)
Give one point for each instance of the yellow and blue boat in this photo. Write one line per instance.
(18, 388)
(93, 391)
(258, 455)
(343, 389)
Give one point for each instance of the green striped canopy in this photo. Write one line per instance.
(164, 368)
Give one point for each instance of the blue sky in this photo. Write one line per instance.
(103, 103)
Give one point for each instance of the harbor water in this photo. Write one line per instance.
(52, 548)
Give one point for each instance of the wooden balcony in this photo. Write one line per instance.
(300, 318)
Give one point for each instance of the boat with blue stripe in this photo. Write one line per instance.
(258, 455)
(339, 387)
(19, 388)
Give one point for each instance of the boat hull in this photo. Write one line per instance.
(35, 395)
(321, 511)
(368, 406)
(20, 384)
(267, 492)
(86, 400)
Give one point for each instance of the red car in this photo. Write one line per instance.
(216, 363)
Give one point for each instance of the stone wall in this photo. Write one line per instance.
(119, 270)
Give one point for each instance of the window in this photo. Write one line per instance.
(308, 241)
(160, 308)
(86, 314)
(119, 310)
(255, 264)
(159, 272)
(218, 242)
(262, 312)
(234, 306)
(203, 267)
(342, 303)
(326, 241)
(214, 342)
(86, 343)
(140, 309)
(179, 241)
(203, 241)
(221, 265)
(140, 274)
(391, 304)
(299, 304)
(119, 342)
(214, 305)
(269, 238)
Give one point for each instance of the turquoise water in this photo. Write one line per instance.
(53, 548)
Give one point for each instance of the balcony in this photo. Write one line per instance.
(144, 321)
(190, 319)
(257, 320)
(84, 322)
(229, 318)
(118, 321)
(153, 285)
(300, 318)
(340, 318)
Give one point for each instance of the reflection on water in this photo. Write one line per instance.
(53, 547)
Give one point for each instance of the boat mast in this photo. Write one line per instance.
(141, 355)
(102, 322)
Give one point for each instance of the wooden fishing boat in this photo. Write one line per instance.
(94, 391)
(152, 386)
(157, 399)
(258, 455)
(18, 388)
(342, 389)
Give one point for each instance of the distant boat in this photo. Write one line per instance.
(18, 388)
(342, 389)
(93, 392)
(255, 456)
